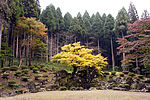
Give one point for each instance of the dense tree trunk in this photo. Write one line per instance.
(98, 45)
(112, 54)
(47, 51)
(1, 25)
(51, 47)
(17, 46)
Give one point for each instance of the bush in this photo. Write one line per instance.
(5, 75)
(63, 88)
(24, 78)
(5, 68)
(125, 72)
(113, 73)
(141, 76)
(35, 70)
(131, 74)
(121, 75)
(14, 68)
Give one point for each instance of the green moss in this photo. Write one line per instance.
(18, 72)
(35, 70)
(25, 71)
(37, 76)
(11, 83)
(1, 84)
(72, 88)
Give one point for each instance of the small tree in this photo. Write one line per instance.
(77, 56)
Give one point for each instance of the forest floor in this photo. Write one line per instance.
(82, 95)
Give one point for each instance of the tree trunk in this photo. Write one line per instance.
(57, 43)
(20, 58)
(17, 47)
(27, 51)
(112, 53)
(47, 51)
(98, 46)
(123, 54)
(1, 25)
(51, 47)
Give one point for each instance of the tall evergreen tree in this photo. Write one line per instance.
(132, 12)
(121, 22)
(31, 8)
(67, 20)
(145, 14)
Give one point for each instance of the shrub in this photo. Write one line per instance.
(35, 70)
(5, 75)
(14, 68)
(63, 88)
(24, 78)
(125, 72)
(5, 68)
(121, 75)
(113, 73)
(141, 76)
(131, 74)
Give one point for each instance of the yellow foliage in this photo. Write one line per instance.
(79, 56)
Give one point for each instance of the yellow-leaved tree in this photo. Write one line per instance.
(77, 56)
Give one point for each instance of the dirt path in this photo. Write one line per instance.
(82, 95)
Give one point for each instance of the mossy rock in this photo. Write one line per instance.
(24, 78)
(121, 74)
(113, 73)
(5, 69)
(25, 71)
(14, 68)
(18, 72)
(134, 86)
(106, 73)
(43, 70)
(5, 75)
(121, 85)
(11, 83)
(20, 91)
(62, 88)
(24, 67)
(35, 70)
(141, 76)
(126, 72)
(72, 88)
(147, 80)
(1, 84)
(37, 76)
(131, 74)
(127, 86)
(31, 67)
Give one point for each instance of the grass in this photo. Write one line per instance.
(82, 95)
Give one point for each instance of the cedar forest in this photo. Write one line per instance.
(29, 36)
